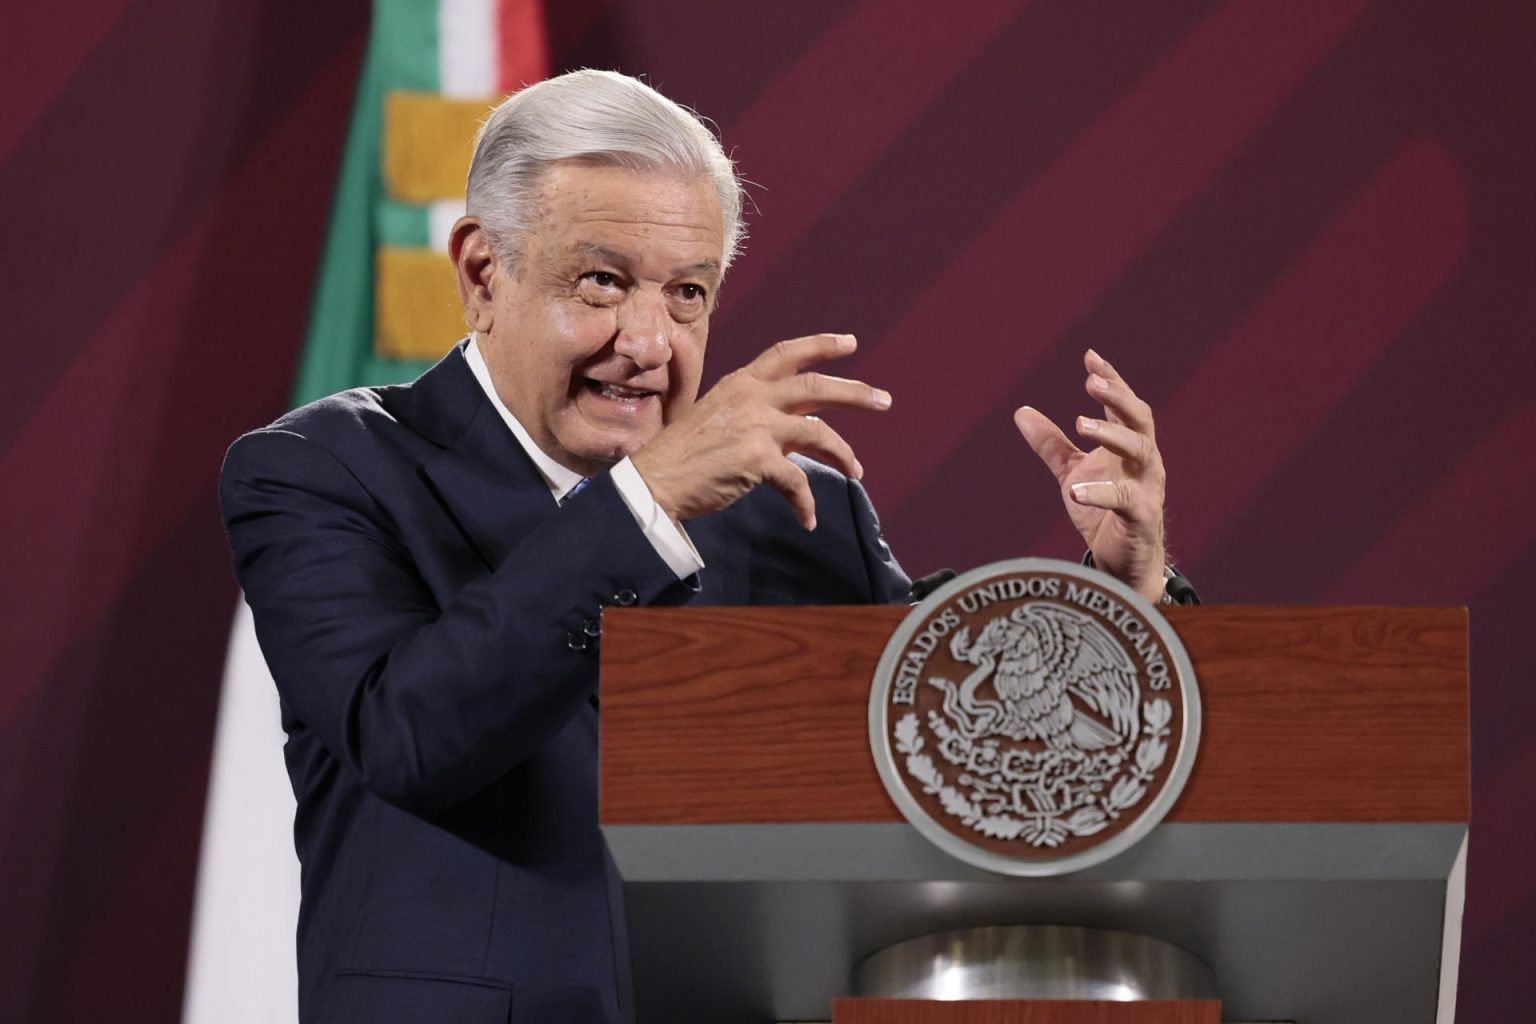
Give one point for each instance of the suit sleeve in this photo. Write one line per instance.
(426, 704)
(888, 583)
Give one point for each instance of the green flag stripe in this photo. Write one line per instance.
(404, 224)
(395, 371)
(338, 345)
(406, 32)
(340, 329)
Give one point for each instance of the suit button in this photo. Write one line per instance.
(592, 627)
(577, 641)
(625, 598)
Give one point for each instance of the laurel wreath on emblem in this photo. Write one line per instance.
(1034, 764)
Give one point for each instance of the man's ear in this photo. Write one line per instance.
(474, 264)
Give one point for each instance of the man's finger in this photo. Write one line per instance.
(1117, 496)
(1095, 363)
(1122, 440)
(808, 435)
(811, 392)
(1121, 403)
(790, 357)
(790, 480)
(1047, 440)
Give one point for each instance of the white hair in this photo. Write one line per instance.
(600, 117)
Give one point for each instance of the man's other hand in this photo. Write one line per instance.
(739, 434)
(1113, 493)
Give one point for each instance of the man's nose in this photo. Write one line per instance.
(644, 328)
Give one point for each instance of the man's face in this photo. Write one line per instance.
(596, 341)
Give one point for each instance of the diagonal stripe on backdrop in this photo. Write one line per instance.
(1501, 811)
(117, 399)
(1476, 519)
(149, 193)
(1268, 385)
(1069, 234)
(922, 39)
(67, 30)
(113, 930)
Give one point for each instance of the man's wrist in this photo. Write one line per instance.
(651, 477)
(1173, 586)
(661, 528)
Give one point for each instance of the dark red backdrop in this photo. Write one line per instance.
(1301, 229)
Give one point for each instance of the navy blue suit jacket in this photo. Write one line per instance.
(416, 593)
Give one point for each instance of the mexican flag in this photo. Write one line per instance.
(385, 308)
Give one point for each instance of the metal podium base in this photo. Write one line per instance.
(1034, 962)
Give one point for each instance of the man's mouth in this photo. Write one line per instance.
(618, 392)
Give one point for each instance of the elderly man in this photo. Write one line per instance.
(427, 564)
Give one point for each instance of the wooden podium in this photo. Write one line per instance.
(1314, 861)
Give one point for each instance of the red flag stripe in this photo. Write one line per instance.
(522, 44)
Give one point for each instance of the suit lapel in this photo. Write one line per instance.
(492, 492)
(484, 480)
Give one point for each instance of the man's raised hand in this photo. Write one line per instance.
(1114, 493)
(739, 434)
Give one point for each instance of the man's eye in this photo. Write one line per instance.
(690, 292)
(602, 278)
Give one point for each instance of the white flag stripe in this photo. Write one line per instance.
(241, 965)
(441, 215)
(467, 48)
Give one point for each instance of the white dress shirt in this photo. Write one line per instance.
(669, 540)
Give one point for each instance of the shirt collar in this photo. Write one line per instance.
(559, 479)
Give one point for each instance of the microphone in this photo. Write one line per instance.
(921, 588)
(1179, 589)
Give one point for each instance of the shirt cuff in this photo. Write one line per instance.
(669, 540)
